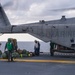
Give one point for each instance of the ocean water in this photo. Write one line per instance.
(29, 46)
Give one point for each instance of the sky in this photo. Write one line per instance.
(28, 11)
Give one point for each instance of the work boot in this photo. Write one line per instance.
(11, 59)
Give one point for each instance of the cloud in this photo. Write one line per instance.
(24, 11)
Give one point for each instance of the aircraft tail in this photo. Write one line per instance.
(3, 18)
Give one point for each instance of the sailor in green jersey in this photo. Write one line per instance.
(9, 47)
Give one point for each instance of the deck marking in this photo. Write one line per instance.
(43, 61)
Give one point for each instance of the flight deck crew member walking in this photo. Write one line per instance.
(36, 50)
(51, 48)
(9, 46)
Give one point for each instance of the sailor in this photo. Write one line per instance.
(36, 48)
(9, 47)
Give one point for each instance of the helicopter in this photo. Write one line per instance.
(61, 32)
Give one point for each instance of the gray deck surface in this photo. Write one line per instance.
(35, 68)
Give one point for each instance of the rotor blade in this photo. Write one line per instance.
(64, 9)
